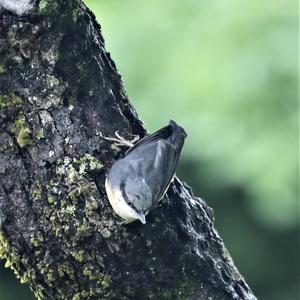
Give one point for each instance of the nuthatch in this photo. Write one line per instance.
(136, 182)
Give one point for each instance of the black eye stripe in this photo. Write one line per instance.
(122, 187)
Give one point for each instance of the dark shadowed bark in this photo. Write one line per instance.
(60, 94)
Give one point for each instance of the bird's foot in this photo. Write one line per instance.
(120, 141)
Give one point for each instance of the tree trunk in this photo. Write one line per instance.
(60, 94)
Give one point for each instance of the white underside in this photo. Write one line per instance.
(119, 205)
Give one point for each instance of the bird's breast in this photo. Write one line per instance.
(119, 204)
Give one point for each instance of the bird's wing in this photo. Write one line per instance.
(165, 164)
(155, 161)
(162, 133)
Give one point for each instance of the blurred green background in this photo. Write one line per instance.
(227, 72)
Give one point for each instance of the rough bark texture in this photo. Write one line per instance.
(60, 93)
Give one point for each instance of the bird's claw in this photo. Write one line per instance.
(120, 141)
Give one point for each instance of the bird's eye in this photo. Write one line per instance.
(137, 196)
(131, 205)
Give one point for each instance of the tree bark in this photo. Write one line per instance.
(60, 94)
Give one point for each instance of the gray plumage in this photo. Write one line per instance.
(143, 175)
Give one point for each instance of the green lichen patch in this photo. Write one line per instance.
(37, 239)
(40, 134)
(51, 276)
(11, 100)
(94, 274)
(90, 273)
(91, 206)
(65, 269)
(2, 69)
(67, 171)
(74, 173)
(83, 190)
(37, 190)
(79, 255)
(85, 294)
(43, 4)
(88, 163)
(76, 297)
(51, 199)
(83, 230)
(24, 138)
(47, 6)
(67, 210)
(11, 259)
(105, 281)
(22, 132)
(69, 201)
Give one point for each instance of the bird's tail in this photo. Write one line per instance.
(172, 133)
(177, 135)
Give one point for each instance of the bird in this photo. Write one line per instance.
(136, 182)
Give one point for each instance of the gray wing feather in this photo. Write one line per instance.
(156, 162)
(149, 166)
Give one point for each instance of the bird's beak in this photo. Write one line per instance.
(142, 218)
